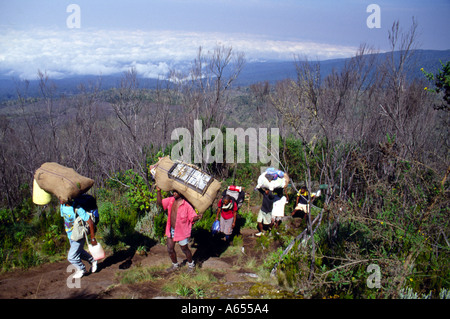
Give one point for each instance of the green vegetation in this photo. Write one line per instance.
(400, 225)
(34, 237)
(190, 285)
(441, 84)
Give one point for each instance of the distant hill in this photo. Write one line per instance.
(253, 72)
(276, 71)
(66, 86)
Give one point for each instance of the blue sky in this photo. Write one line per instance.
(150, 35)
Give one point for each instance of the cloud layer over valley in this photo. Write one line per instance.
(69, 52)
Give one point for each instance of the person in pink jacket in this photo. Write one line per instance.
(181, 216)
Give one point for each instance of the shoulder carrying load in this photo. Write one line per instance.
(61, 181)
(199, 188)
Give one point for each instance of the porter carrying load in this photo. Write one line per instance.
(237, 193)
(199, 188)
(276, 181)
(61, 181)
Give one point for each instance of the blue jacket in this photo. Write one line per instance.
(69, 215)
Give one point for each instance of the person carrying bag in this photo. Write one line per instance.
(77, 224)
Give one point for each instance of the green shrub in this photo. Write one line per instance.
(249, 219)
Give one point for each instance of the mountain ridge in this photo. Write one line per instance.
(253, 72)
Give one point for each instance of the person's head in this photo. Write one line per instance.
(176, 194)
(266, 190)
(226, 200)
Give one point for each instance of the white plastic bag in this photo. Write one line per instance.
(96, 251)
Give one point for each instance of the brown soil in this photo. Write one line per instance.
(50, 281)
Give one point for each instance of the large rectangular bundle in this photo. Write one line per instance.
(61, 181)
(199, 188)
(277, 182)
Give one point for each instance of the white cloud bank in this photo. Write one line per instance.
(152, 53)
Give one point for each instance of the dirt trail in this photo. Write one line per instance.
(49, 281)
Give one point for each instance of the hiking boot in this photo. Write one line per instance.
(174, 267)
(94, 266)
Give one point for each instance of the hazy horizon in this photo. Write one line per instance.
(101, 37)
